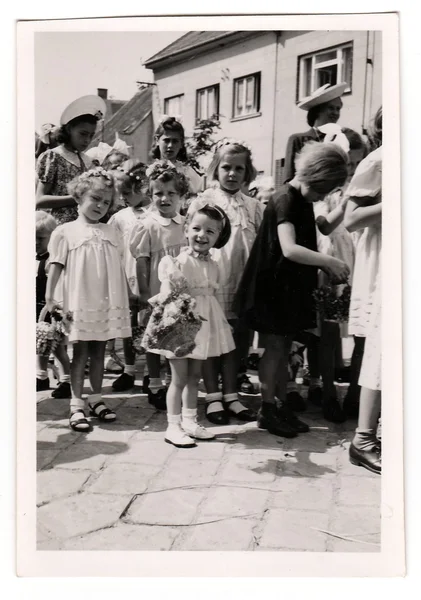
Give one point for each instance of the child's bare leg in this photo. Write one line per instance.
(77, 377)
(189, 410)
(174, 434)
(229, 369)
(215, 412)
(96, 351)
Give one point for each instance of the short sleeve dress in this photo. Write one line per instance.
(245, 215)
(57, 167)
(124, 221)
(201, 274)
(365, 187)
(94, 285)
(154, 237)
(276, 295)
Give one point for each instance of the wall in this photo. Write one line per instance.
(141, 139)
(223, 66)
(290, 119)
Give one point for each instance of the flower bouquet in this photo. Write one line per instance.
(174, 322)
(332, 302)
(50, 335)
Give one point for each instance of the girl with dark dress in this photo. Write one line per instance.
(275, 296)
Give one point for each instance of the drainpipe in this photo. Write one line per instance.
(367, 61)
(272, 158)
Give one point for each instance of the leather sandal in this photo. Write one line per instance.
(102, 413)
(81, 425)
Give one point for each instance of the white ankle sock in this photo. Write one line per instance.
(215, 406)
(41, 374)
(94, 399)
(234, 405)
(174, 420)
(65, 379)
(189, 414)
(129, 369)
(77, 404)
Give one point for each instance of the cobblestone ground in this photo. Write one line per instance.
(120, 487)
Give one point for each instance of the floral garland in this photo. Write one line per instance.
(50, 335)
(232, 142)
(98, 172)
(333, 303)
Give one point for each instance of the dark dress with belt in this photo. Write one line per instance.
(294, 146)
(275, 294)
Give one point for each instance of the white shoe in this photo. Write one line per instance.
(113, 366)
(176, 436)
(194, 430)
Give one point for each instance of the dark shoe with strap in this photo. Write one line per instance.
(158, 399)
(269, 418)
(247, 415)
(295, 401)
(62, 390)
(219, 417)
(102, 413)
(288, 415)
(123, 383)
(369, 459)
(43, 385)
(81, 424)
(245, 386)
(315, 395)
(332, 411)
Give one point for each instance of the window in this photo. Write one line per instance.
(333, 65)
(207, 102)
(246, 95)
(174, 106)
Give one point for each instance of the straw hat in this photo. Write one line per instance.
(322, 95)
(86, 105)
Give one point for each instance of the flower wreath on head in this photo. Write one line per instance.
(232, 142)
(164, 118)
(159, 167)
(97, 172)
(133, 176)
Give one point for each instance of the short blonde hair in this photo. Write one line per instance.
(322, 167)
(85, 181)
(44, 222)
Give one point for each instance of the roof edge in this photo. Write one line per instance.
(178, 54)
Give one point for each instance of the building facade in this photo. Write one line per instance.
(254, 80)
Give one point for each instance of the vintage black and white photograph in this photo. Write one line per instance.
(207, 299)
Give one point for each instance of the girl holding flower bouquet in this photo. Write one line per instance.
(160, 233)
(187, 324)
(84, 255)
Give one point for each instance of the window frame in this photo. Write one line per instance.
(215, 87)
(257, 92)
(301, 68)
(172, 98)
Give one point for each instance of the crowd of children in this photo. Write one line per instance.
(120, 249)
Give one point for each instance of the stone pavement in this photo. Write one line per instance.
(120, 487)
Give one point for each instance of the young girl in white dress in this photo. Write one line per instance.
(135, 192)
(161, 232)
(84, 255)
(207, 228)
(364, 211)
(231, 169)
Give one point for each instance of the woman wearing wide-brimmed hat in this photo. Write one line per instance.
(322, 107)
(58, 166)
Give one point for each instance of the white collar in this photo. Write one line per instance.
(73, 157)
(164, 221)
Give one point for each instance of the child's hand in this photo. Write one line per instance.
(337, 270)
(51, 305)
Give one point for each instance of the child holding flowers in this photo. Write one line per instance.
(188, 285)
(160, 233)
(275, 297)
(231, 169)
(84, 254)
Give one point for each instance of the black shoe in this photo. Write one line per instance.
(158, 400)
(43, 385)
(315, 395)
(351, 407)
(123, 383)
(287, 415)
(145, 384)
(219, 417)
(268, 418)
(333, 412)
(369, 459)
(343, 375)
(247, 415)
(244, 385)
(295, 401)
(62, 390)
